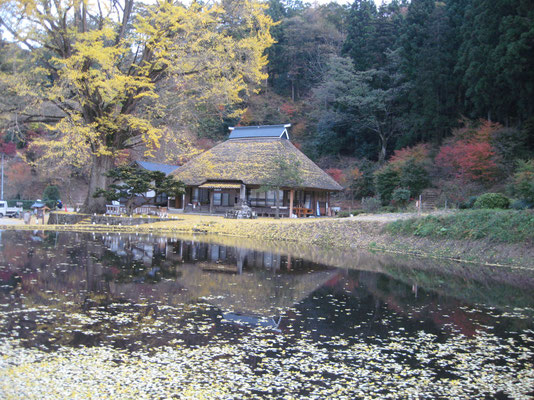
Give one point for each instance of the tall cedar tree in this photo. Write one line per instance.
(496, 59)
(429, 54)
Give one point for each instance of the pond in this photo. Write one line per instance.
(145, 317)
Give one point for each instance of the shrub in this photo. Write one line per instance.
(387, 179)
(361, 179)
(469, 203)
(50, 193)
(523, 181)
(401, 196)
(388, 209)
(492, 200)
(371, 204)
(510, 144)
(414, 177)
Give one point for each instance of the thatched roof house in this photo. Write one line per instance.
(238, 170)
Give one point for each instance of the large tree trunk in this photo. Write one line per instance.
(383, 149)
(97, 180)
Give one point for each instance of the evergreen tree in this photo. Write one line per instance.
(133, 184)
(496, 58)
(360, 34)
(429, 51)
(280, 11)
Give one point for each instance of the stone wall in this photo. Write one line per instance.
(125, 221)
(71, 219)
(58, 218)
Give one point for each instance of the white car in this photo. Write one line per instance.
(9, 211)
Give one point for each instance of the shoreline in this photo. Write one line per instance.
(328, 233)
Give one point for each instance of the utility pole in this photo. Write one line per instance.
(2, 194)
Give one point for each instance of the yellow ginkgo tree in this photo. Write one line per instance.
(102, 71)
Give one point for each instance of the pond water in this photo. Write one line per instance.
(133, 317)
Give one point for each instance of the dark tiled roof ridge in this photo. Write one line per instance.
(260, 126)
(155, 166)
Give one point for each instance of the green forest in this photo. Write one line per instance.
(409, 94)
(391, 100)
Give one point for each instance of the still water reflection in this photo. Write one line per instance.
(210, 320)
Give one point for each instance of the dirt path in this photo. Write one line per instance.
(11, 221)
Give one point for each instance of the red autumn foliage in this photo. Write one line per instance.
(336, 174)
(472, 161)
(8, 148)
(418, 153)
(288, 109)
(470, 156)
(477, 131)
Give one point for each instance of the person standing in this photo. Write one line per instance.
(27, 217)
(40, 215)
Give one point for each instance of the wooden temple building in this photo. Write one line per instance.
(237, 171)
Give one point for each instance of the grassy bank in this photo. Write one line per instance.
(503, 226)
(499, 238)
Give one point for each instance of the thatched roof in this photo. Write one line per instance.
(252, 161)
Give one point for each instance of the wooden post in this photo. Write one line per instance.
(211, 201)
(291, 196)
(243, 194)
(328, 208)
(289, 262)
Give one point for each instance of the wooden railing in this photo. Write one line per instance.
(112, 209)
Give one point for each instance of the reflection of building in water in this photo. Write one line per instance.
(249, 287)
(220, 258)
(208, 256)
(136, 248)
